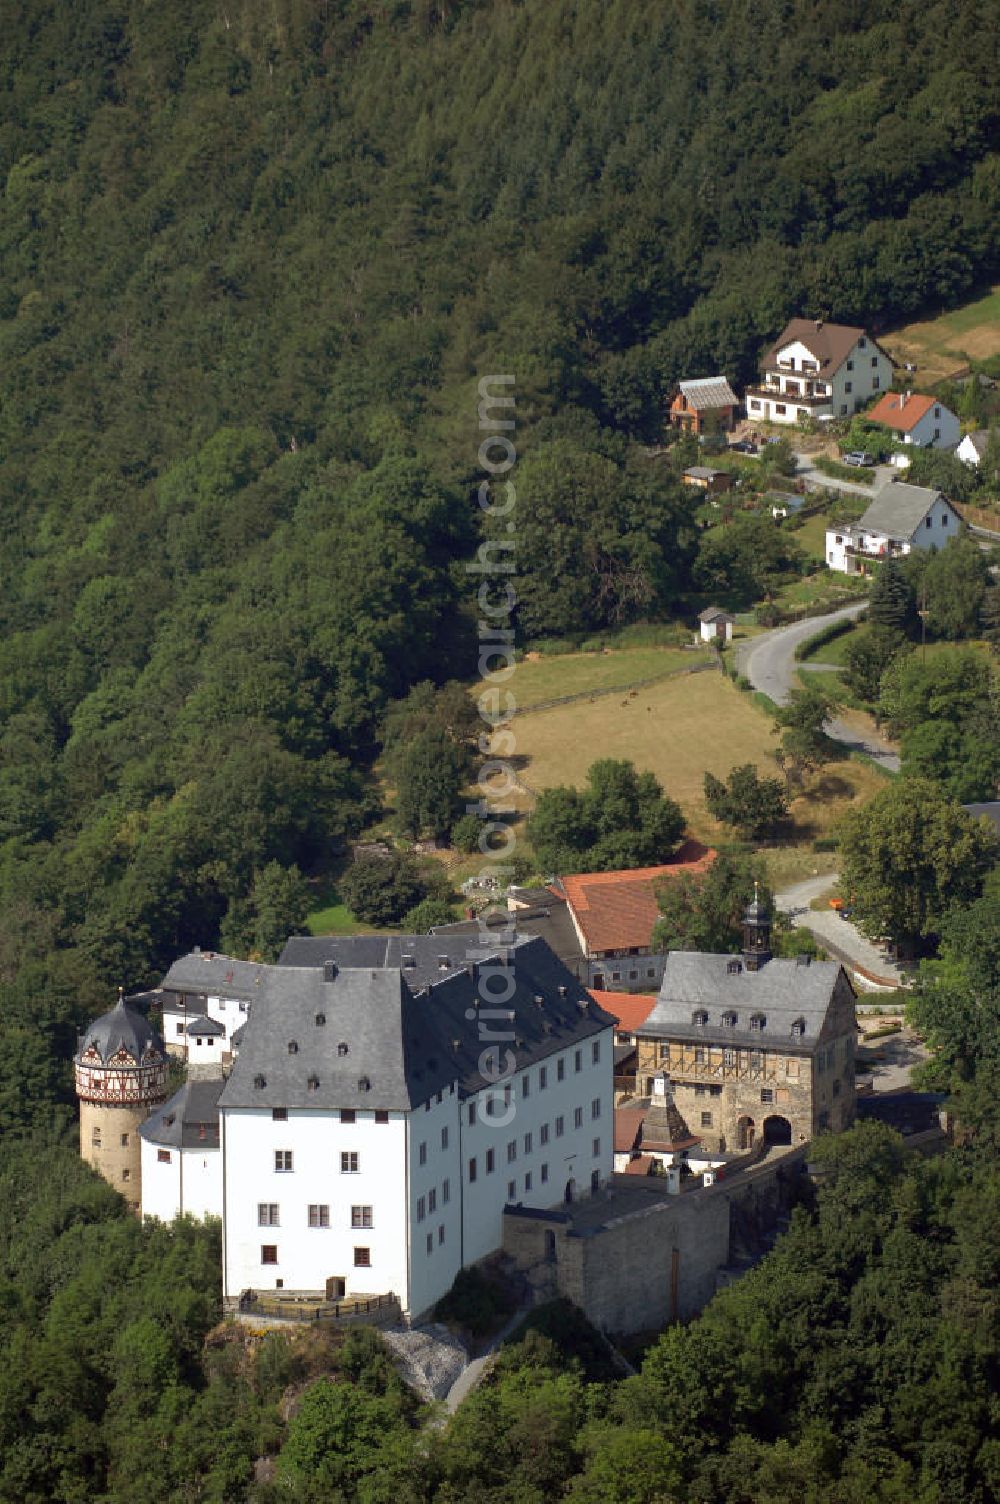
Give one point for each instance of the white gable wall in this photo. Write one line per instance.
(186, 1183)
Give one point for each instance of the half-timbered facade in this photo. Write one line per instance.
(754, 1047)
(121, 1075)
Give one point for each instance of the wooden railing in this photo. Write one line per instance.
(306, 1307)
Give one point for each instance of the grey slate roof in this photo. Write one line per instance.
(709, 392)
(898, 510)
(385, 1044)
(784, 991)
(201, 1024)
(712, 613)
(979, 439)
(210, 974)
(549, 920)
(180, 1122)
(432, 957)
(121, 1028)
(704, 472)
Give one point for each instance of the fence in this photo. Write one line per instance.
(622, 689)
(989, 521)
(373, 1310)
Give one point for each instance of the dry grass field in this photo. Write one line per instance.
(938, 347)
(680, 729)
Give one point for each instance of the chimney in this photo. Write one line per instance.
(329, 971)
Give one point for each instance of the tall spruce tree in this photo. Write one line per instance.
(892, 601)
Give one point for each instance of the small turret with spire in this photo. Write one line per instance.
(756, 932)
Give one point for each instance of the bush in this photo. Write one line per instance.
(476, 1302)
(825, 843)
(465, 833)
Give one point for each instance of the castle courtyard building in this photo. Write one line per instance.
(756, 1048)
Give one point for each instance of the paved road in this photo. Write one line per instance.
(840, 936)
(806, 471)
(770, 664)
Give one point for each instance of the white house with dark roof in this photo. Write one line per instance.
(380, 1116)
(181, 1161)
(818, 370)
(901, 518)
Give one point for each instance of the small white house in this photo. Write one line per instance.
(181, 1160)
(973, 447)
(818, 370)
(716, 625)
(901, 518)
(917, 420)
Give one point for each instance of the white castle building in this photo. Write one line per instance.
(385, 1103)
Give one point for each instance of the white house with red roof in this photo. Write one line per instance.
(918, 420)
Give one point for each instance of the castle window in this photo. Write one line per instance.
(163, 1156)
(766, 1095)
(267, 1214)
(319, 1216)
(350, 1163)
(361, 1216)
(381, 1117)
(733, 968)
(700, 1055)
(342, 1048)
(126, 1174)
(756, 1060)
(729, 1057)
(700, 1018)
(279, 1114)
(124, 1140)
(798, 1028)
(758, 1021)
(269, 1253)
(364, 1083)
(362, 1258)
(283, 1160)
(259, 1082)
(729, 1020)
(95, 1138)
(320, 1020)
(348, 1115)
(293, 1048)
(313, 1083)
(706, 1120)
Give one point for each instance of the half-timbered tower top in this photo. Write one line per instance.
(120, 1057)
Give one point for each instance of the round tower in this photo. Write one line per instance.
(121, 1075)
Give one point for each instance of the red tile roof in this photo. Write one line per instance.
(642, 1165)
(631, 1009)
(900, 411)
(617, 910)
(628, 1127)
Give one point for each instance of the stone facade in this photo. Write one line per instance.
(730, 1096)
(110, 1142)
(635, 1257)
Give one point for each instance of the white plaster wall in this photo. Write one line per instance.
(567, 1157)
(308, 1256)
(190, 1183)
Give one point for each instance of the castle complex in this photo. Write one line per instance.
(368, 1115)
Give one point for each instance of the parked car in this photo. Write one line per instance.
(858, 457)
(743, 446)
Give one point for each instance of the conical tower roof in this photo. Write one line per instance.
(120, 1029)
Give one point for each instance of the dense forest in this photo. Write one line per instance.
(255, 259)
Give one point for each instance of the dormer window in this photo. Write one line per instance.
(259, 1082)
(320, 1020)
(798, 1028)
(700, 1018)
(729, 1020)
(342, 1048)
(293, 1048)
(364, 1083)
(313, 1083)
(733, 968)
(758, 1021)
